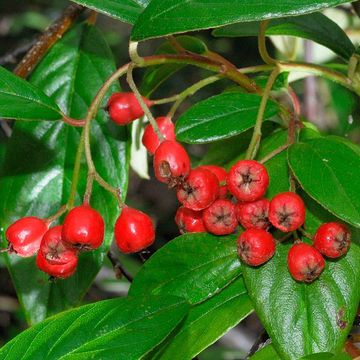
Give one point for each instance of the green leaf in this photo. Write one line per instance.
(38, 169)
(165, 17)
(124, 10)
(324, 168)
(316, 27)
(266, 353)
(327, 356)
(207, 322)
(303, 319)
(193, 266)
(118, 328)
(220, 117)
(22, 100)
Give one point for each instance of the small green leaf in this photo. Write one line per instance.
(21, 100)
(119, 328)
(266, 353)
(207, 322)
(193, 266)
(303, 319)
(316, 27)
(220, 117)
(324, 168)
(165, 17)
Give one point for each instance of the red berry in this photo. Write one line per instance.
(221, 174)
(332, 239)
(256, 246)
(134, 230)
(24, 235)
(61, 271)
(287, 211)
(189, 221)
(219, 218)
(305, 262)
(254, 214)
(54, 250)
(83, 228)
(200, 189)
(151, 140)
(171, 162)
(124, 108)
(248, 180)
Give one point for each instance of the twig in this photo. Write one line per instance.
(259, 343)
(11, 56)
(119, 270)
(277, 151)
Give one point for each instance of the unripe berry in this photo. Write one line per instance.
(305, 262)
(248, 180)
(54, 250)
(24, 235)
(332, 239)
(124, 107)
(83, 228)
(61, 271)
(200, 189)
(171, 162)
(151, 141)
(221, 174)
(254, 214)
(219, 218)
(287, 211)
(134, 230)
(189, 221)
(256, 246)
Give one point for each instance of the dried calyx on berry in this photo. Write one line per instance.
(123, 107)
(254, 214)
(189, 221)
(24, 235)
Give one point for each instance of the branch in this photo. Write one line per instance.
(119, 270)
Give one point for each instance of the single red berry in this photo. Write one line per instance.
(124, 107)
(171, 162)
(61, 271)
(219, 218)
(256, 246)
(287, 211)
(151, 140)
(189, 221)
(221, 174)
(134, 230)
(54, 250)
(83, 228)
(248, 180)
(200, 189)
(332, 239)
(24, 235)
(254, 214)
(305, 262)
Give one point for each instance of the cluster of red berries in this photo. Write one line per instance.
(216, 201)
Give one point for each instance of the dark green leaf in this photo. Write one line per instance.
(266, 353)
(165, 17)
(119, 328)
(193, 266)
(22, 100)
(207, 322)
(324, 168)
(327, 356)
(220, 117)
(38, 169)
(316, 27)
(124, 10)
(303, 319)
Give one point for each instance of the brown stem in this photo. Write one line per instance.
(277, 151)
(352, 350)
(119, 270)
(50, 36)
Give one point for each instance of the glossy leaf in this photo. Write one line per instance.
(165, 17)
(316, 27)
(36, 177)
(21, 100)
(266, 353)
(125, 328)
(327, 356)
(193, 266)
(124, 10)
(220, 117)
(303, 319)
(324, 168)
(197, 332)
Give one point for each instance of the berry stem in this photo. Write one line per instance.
(165, 100)
(119, 269)
(272, 154)
(256, 137)
(262, 43)
(115, 191)
(63, 209)
(305, 233)
(68, 120)
(89, 185)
